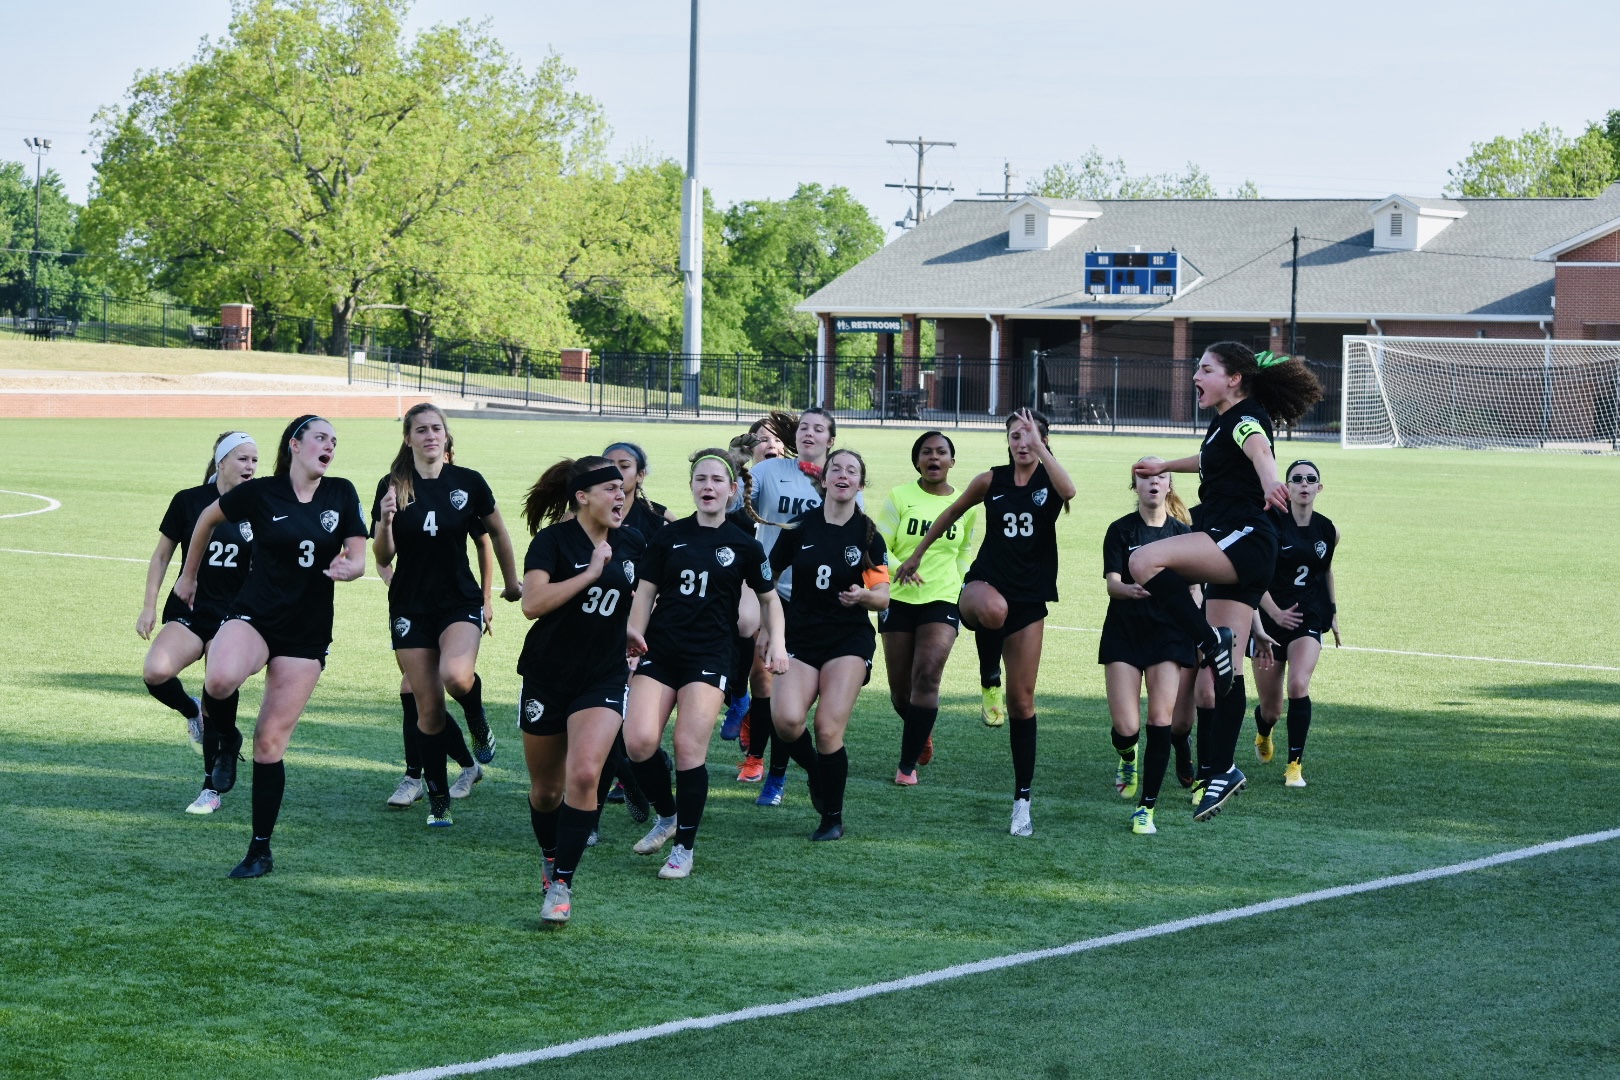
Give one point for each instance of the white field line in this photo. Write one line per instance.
(51, 504)
(102, 558)
(998, 963)
(1406, 652)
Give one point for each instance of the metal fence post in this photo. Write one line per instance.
(463, 374)
(528, 375)
(164, 340)
(1115, 416)
(104, 318)
(736, 412)
(669, 376)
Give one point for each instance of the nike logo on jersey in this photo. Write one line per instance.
(993, 498)
(1133, 547)
(283, 517)
(676, 547)
(1288, 547)
(711, 673)
(581, 565)
(806, 547)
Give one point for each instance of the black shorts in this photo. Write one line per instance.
(1142, 645)
(414, 630)
(1022, 614)
(1251, 545)
(284, 646)
(676, 669)
(1286, 637)
(903, 618)
(545, 709)
(204, 623)
(820, 647)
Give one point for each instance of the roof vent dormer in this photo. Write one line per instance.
(1035, 224)
(1402, 223)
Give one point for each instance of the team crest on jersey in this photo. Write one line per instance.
(533, 711)
(724, 556)
(402, 626)
(852, 554)
(458, 499)
(329, 519)
(1039, 497)
(1321, 549)
(246, 529)
(765, 570)
(629, 571)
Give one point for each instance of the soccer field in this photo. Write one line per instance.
(1475, 711)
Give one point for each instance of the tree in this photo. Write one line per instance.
(313, 157)
(1540, 163)
(1094, 177)
(57, 219)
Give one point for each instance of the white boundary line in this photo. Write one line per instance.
(69, 554)
(998, 963)
(1407, 652)
(54, 505)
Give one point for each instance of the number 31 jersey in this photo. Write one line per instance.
(582, 640)
(700, 573)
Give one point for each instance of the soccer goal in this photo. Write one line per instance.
(1481, 394)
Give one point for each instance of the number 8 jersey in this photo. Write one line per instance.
(1019, 553)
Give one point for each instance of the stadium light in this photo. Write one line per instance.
(39, 148)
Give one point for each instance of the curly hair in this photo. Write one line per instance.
(1287, 389)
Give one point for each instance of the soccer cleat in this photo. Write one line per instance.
(770, 793)
(679, 863)
(731, 726)
(663, 828)
(1220, 791)
(439, 811)
(256, 863)
(1220, 662)
(548, 872)
(1184, 774)
(905, 779)
(636, 804)
(207, 802)
(1263, 750)
(194, 726)
(409, 790)
(1125, 779)
(829, 830)
(1142, 821)
(483, 746)
(558, 904)
(464, 783)
(616, 792)
(1294, 775)
(752, 770)
(222, 777)
(1021, 825)
(1196, 790)
(594, 839)
(927, 754)
(993, 710)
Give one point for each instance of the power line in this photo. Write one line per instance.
(922, 146)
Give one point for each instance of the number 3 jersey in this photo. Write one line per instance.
(431, 574)
(230, 548)
(1019, 553)
(700, 573)
(287, 594)
(583, 640)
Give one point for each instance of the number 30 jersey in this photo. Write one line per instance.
(1019, 553)
(583, 640)
(700, 573)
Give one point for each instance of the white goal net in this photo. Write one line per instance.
(1481, 394)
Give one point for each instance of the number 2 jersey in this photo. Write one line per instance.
(431, 573)
(1019, 553)
(582, 641)
(700, 573)
(287, 594)
(225, 565)
(1304, 558)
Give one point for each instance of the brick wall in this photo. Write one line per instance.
(1588, 299)
(1460, 329)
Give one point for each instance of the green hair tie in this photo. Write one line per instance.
(1270, 359)
(731, 470)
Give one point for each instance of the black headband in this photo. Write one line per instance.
(1304, 461)
(602, 474)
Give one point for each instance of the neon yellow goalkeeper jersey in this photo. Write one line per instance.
(904, 520)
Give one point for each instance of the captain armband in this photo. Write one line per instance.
(1246, 427)
(878, 575)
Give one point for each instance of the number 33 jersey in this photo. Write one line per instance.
(1019, 553)
(583, 640)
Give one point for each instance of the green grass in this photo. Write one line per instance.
(378, 946)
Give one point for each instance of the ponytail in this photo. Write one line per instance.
(552, 495)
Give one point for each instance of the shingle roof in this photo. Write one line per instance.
(957, 262)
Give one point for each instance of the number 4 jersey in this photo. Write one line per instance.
(1019, 553)
(583, 640)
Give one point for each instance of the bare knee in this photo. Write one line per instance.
(545, 795)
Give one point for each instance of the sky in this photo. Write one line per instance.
(1308, 100)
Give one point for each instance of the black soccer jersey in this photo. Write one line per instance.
(826, 560)
(287, 594)
(1228, 487)
(584, 639)
(644, 516)
(1304, 557)
(1019, 553)
(1123, 537)
(700, 573)
(431, 573)
(230, 547)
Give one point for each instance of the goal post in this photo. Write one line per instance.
(1481, 393)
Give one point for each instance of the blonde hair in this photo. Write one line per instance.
(1172, 502)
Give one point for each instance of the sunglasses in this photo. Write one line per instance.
(1303, 478)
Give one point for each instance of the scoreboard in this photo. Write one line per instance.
(1133, 273)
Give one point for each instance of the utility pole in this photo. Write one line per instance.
(39, 147)
(1293, 301)
(922, 146)
(1007, 175)
(692, 235)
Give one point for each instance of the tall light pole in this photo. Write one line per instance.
(692, 233)
(39, 148)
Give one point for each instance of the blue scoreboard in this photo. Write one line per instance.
(1133, 273)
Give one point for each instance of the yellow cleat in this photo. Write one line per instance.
(994, 709)
(1263, 748)
(1294, 775)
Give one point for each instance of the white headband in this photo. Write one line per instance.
(229, 443)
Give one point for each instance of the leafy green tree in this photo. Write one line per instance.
(57, 221)
(1095, 177)
(1540, 163)
(314, 158)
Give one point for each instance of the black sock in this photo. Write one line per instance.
(1206, 742)
(412, 736)
(455, 743)
(780, 754)
(1169, 591)
(1229, 712)
(434, 766)
(652, 776)
(832, 776)
(988, 643)
(269, 784)
(1299, 726)
(544, 824)
(219, 714)
(573, 829)
(623, 771)
(1181, 743)
(691, 795)
(210, 749)
(1156, 757)
(914, 736)
(1261, 724)
(760, 730)
(803, 751)
(1021, 734)
(604, 783)
(472, 707)
(742, 662)
(1124, 745)
(173, 694)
